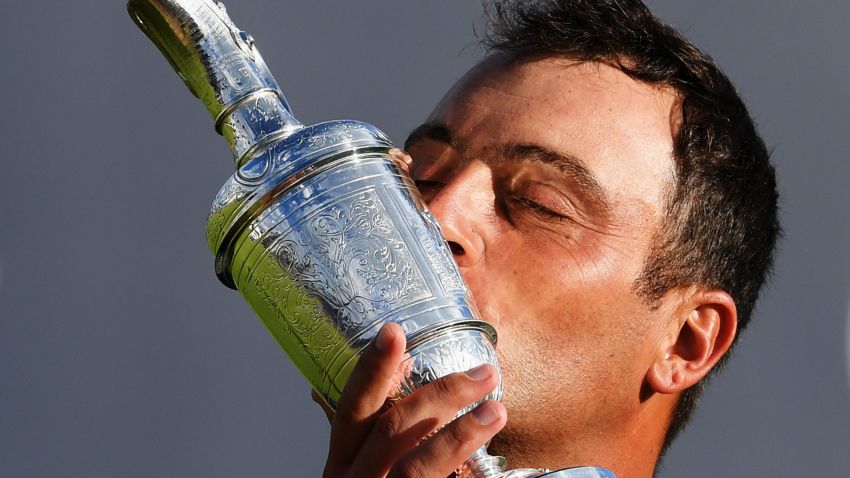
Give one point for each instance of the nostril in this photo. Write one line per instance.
(456, 248)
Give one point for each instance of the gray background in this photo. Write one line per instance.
(120, 354)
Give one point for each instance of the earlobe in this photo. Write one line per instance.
(706, 324)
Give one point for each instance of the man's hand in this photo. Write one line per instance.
(369, 440)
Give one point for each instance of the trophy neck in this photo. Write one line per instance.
(252, 121)
(221, 66)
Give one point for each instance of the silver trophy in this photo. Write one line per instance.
(320, 228)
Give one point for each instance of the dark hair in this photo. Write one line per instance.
(721, 224)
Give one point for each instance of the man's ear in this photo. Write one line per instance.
(700, 332)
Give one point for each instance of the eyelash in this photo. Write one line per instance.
(424, 183)
(539, 209)
(536, 208)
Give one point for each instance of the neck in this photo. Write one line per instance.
(630, 449)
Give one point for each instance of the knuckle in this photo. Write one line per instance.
(352, 408)
(370, 361)
(391, 424)
(409, 469)
(447, 386)
(460, 432)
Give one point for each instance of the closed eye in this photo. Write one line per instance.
(427, 183)
(539, 209)
(428, 188)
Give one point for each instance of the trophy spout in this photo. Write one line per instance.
(220, 65)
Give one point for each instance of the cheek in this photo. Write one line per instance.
(552, 280)
(558, 322)
(581, 366)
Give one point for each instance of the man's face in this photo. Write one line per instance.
(549, 180)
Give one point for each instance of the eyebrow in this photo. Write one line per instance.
(568, 164)
(434, 131)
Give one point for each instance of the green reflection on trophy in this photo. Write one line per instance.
(320, 228)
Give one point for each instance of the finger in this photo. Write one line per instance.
(365, 393)
(446, 451)
(322, 403)
(402, 157)
(403, 426)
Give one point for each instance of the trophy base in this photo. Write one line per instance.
(580, 472)
(483, 465)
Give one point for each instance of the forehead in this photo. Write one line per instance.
(621, 129)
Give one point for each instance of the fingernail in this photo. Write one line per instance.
(384, 340)
(481, 372)
(486, 413)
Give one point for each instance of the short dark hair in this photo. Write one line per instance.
(721, 224)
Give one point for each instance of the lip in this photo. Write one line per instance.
(485, 312)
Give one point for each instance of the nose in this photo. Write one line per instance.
(462, 206)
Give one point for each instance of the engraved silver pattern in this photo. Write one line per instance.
(320, 229)
(428, 233)
(350, 256)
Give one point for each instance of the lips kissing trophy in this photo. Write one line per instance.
(321, 228)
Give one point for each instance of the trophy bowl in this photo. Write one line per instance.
(325, 236)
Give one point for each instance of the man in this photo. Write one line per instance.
(613, 210)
